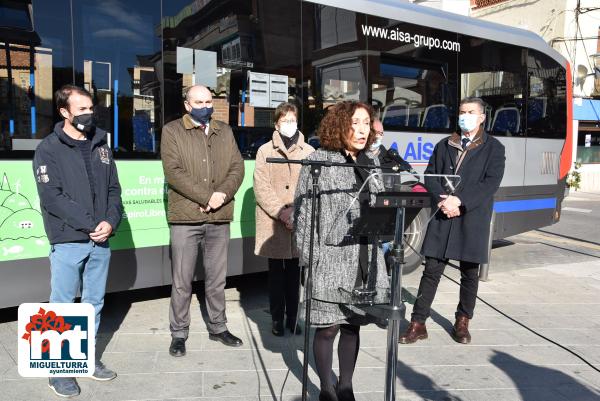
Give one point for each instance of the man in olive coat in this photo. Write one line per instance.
(459, 229)
(204, 170)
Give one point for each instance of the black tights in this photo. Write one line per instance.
(348, 346)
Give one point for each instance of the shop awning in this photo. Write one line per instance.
(586, 109)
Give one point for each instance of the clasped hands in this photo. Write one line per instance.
(285, 216)
(217, 199)
(450, 205)
(101, 232)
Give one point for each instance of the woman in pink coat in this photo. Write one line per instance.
(274, 188)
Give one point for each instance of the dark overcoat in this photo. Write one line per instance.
(464, 238)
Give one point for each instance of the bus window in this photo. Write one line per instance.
(342, 82)
(494, 72)
(339, 28)
(119, 68)
(335, 62)
(407, 72)
(413, 97)
(498, 89)
(546, 102)
(26, 74)
(15, 14)
(74, 43)
(248, 56)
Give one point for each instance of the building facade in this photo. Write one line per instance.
(572, 27)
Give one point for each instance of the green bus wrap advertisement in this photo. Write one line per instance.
(144, 222)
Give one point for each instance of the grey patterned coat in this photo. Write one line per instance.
(336, 254)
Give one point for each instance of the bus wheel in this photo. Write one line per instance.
(415, 233)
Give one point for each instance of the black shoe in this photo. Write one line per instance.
(177, 347)
(277, 328)
(293, 327)
(345, 394)
(328, 395)
(226, 338)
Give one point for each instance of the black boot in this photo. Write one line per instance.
(293, 327)
(328, 394)
(345, 394)
(277, 328)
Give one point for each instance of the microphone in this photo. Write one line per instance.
(393, 155)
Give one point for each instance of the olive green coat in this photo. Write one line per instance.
(195, 166)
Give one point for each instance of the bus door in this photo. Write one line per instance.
(416, 105)
(494, 72)
(546, 123)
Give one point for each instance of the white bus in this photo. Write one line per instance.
(412, 63)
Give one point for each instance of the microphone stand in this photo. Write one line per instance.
(315, 171)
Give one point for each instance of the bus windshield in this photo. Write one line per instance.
(15, 15)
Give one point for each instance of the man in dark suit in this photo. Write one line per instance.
(458, 230)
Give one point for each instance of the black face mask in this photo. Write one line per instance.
(84, 122)
(202, 115)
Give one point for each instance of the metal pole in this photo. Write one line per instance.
(484, 268)
(397, 306)
(315, 171)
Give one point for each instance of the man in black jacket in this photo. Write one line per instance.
(458, 231)
(80, 199)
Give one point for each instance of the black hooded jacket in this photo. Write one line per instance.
(69, 210)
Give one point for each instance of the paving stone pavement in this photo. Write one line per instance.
(504, 362)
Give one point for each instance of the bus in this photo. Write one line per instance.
(412, 63)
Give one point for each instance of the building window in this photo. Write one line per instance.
(588, 142)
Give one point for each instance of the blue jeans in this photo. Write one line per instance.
(76, 264)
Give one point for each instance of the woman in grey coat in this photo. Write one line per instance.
(339, 262)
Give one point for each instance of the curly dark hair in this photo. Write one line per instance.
(334, 130)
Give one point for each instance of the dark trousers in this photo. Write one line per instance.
(469, 282)
(284, 287)
(185, 240)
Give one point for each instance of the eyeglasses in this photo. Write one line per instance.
(287, 121)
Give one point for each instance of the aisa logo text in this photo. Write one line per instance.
(415, 151)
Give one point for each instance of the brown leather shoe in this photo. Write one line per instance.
(416, 331)
(460, 332)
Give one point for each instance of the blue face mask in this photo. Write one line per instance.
(378, 142)
(468, 122)
(201, 115)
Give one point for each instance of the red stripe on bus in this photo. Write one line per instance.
(566, 157)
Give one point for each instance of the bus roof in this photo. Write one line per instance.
(402, 10)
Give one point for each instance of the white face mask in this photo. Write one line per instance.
(288, 129)
(376, 144)
(468, 122)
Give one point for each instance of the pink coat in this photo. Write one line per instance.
(274, 188)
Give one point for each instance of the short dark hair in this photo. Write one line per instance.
(283, 109)
(61, 96)
(473, 99)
